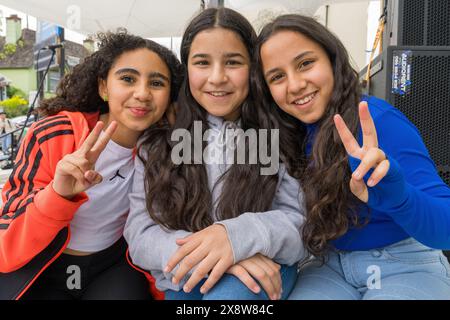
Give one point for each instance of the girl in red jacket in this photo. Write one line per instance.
(66, 201)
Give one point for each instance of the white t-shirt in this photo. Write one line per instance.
(99, 222)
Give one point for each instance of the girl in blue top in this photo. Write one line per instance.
(375, 204)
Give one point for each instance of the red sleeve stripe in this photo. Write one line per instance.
(9, 215)
(17, 213)
(40, 123)
(34, 167)
(38, 129)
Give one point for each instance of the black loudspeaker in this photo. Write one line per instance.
(417, 23)
(416, 80)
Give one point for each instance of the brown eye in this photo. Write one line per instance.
(201, 63)
(233, 62)
(127, 79)
(276, 77)
(157, 83)
(305, 64)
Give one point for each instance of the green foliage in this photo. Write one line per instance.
(15, 106)
(9, 49)
(12, 91)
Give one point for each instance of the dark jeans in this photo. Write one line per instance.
(105, 275)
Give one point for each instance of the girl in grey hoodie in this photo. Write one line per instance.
(218, 219)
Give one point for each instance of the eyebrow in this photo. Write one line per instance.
(153, 74)
(298, 57)
(156, 74)
(227, 55)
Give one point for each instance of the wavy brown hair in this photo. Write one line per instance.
(177, 195)
(78, 90)
(325, 173)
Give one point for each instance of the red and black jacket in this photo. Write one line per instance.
(34, 222)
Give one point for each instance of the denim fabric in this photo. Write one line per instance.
(406, 270)
(230, 287)
(6, 143)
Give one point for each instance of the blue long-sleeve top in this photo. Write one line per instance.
(411, 200)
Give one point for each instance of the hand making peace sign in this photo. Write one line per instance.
(369, 154)
(75, 172)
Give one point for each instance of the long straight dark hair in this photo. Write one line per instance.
(177, 195)
(325, 174)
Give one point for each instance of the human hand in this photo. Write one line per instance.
(264, 270)
(75, 172)
(369, 153)
(210, 250)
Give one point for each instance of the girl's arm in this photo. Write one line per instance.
(405, 183)
(32, 212)
(275, 233)
(150, 245)
(412, 192)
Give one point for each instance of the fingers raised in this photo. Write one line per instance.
(348, 140)
(369, 131)
(92, 138)
(102, 141)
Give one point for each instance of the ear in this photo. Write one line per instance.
(102, 89)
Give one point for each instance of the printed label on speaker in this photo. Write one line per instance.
(401, 72)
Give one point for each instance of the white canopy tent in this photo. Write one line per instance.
(151, 18)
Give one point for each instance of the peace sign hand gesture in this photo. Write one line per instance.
(75, 172)
(369, 154)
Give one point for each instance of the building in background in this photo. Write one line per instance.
(17, 57)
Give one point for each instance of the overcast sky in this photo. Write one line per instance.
(31, 24)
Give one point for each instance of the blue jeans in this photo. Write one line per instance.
(6, 143)
(230, 287)
(406, 270)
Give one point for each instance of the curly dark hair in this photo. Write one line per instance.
(325, 174)
(78, 90)
(178, 196)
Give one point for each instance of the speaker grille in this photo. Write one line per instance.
(427, 105)
(424, 22)
(438, 33)
(413, 22)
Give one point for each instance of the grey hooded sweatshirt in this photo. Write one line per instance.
(275, 234)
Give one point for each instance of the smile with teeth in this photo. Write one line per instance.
(305, 99)
(218, 93)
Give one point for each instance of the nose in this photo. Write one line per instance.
(218, 75)
(142, 92)
(296, 83)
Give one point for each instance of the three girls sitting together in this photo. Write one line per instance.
(355, 185)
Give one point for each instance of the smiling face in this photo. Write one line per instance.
(299, 75)
(138, 91)
(218, 69)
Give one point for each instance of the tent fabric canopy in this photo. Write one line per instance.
(151, 18)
